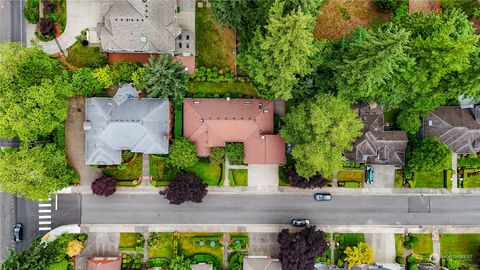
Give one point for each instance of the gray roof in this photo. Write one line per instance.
(147, 26)
(455, 127)
(377, 146)
(124, 122)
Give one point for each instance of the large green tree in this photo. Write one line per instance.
(370, 60)
(321, 130)
(183, 153)
(429, 155)
(165, 78)
(37, 257)
(34, 173)
(274, 60)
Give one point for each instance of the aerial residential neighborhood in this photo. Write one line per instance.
(239, 134)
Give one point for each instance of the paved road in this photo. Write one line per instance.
(12, 23)
(7, 217)
(279, 209)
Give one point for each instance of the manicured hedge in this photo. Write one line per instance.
(178, 116)
(470, 162)
(235, 153)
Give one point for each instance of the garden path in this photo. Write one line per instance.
(75, 141)
(454, 169)
(333, 246)
(436, 246)
(226, 240)
(146, 165)
(228, 166)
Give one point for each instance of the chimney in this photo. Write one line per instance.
(476, 113)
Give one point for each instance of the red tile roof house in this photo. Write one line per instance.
(212, 123)
(104, 263)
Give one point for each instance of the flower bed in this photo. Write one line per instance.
(54, 20)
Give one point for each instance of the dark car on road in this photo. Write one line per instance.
(322, 197)
(18, 232)
(369, 175)
(300, 222)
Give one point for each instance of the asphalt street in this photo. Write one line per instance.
(7, 215)
(280, 209)
(12, 23)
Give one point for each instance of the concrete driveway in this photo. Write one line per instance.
(262, 175)
(383, 245)
(383, 176)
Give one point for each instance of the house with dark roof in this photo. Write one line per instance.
(146, 26)
(211, 123)
(376, 145)
(458, 128)
(124, 122)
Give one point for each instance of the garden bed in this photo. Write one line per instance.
(238, 177)
(132, 171)
(214, 44)
(160, 245)
(339, 18)
(462, 247)
(398, 179)
(351, 175)
(58, 16)
(399, 247)
(345, 240)
(221, 89)
(80, 56)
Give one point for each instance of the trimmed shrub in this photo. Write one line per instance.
(410, 241)
(217, 156)
(183, 153)
(316, 181)
(31, 11)
(470, 162)
(178, 124)
(104, 186)
(235, 153)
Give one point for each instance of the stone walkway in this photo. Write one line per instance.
(436, 246)
(226, 240)
(455, 171)
(75, 142)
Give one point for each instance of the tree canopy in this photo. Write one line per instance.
(34, 173)
(185, 187)
(183, 153)
(165, 78)
(429, 155)
(104, 186)
(274, 59)
(321, 130)
(299, 250)
(359, 255)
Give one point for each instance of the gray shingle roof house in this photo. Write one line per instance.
(144, 26)
(124, 122)
(377, 146)
(458, 128)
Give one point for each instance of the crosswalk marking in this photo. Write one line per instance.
(44, 211)
(45, 217)
(44, 229)
(48, 222)
(45, 205)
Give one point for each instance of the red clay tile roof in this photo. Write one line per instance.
(104, 263)
(213, 122)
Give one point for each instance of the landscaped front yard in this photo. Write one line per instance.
(399, 245)
(81, 56)
(132, 171)
(161, 171)
(214, 43)
(350, 178)
(339, 18)
(238, 177)
(424, 246)
(160, 245)
(472, 181)
(197, 243)
(432, 179)
(209, 173)
(345, 240)
(462, 247)
(131, 241)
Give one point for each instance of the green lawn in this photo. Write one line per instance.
(188, 248)
(222, 88)
(433, 179)
(463, 247)
(214, 43)
(472, 181)
(80, 56)
(424, 246)
(161, 171)
(398, 245)
(163, 246)
(351, 175)
(238, 177)
(128, 240)
(132, 172)
(210, 173)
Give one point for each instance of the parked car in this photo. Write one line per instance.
(322, 197)
(18, 232)
(369, 175)
(300, 222)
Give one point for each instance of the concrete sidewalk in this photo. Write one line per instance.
(289, 190)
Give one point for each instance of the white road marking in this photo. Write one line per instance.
(48, 222)
(44, 211)
(44, 229)
(45, 205)
(45, 217)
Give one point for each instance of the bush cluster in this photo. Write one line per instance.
(214, 74)
(31, 11)
(104, 186)
(132, 261)
(185, 187)
(470, 162)
(316, 181)
(235, 153)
